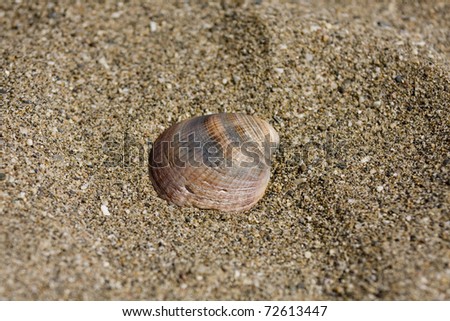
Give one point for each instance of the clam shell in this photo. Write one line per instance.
(219, 161)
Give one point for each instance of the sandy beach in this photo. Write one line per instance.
(358, 205)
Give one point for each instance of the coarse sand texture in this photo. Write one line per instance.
(357, 206)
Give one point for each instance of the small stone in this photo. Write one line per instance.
(84, 186)
(105, 210)
(23, 130)
(278, 119)
(2, 176)
(398, 78)
(383, 24)
(308, 254)
(29, 142)
(104, 63)
(365, 159)
(124, 90)
(116, 15)
(153, 26)
(279, 70)
(380, 188)
(377, 104)
(341, 165)
(112, 237)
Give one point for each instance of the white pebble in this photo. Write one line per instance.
(420, 43)
(104, 63)
(29, 142)
(153, 26)
(116, 15)
(380, 188)
(105, 210)
(308, 254)
(23, 130)
(365, 159)
(124, 90)
(279, 70)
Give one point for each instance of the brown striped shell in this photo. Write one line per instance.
(219, 161)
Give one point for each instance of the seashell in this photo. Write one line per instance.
(219, 161)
